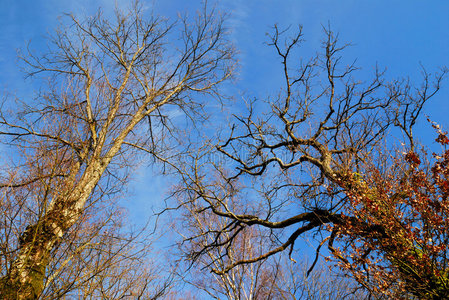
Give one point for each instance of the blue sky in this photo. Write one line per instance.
(397, 34)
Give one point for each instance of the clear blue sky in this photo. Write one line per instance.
(397, 34)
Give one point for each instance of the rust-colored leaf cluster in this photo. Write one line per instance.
(397, 247)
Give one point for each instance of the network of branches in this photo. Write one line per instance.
(313, 162)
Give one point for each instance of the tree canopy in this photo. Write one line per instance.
(254, 177)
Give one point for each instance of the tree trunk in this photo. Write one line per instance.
(25, 279)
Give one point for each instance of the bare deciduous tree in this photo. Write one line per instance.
(276, 277)
(110, 90)
(256, 281)
(289, 163)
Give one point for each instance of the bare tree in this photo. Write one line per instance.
(276, 277)
(288, 165)
(257, 281)
(110, 91)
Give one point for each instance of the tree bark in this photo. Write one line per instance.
(25, 279)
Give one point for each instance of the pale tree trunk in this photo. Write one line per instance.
(27, 273)
(124, 66)
(25, 279)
